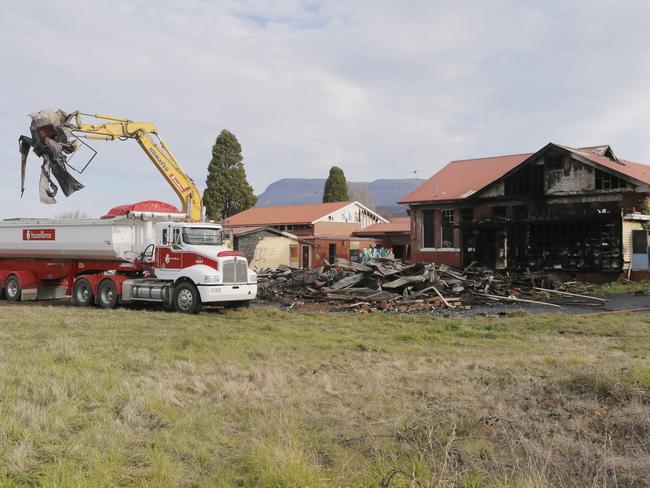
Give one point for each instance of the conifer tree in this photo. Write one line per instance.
(336, 186)
(228, 192)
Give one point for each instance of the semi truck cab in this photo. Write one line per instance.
(196, 252)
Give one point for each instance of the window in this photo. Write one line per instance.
(354, 255)
(499, 212)
(202, 236)
(176, 237)
(447, 217)
(164, 236)
(607, 181)
(427, 229)
(640, 242)
(466, 214)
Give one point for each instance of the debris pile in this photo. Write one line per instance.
(388, 284)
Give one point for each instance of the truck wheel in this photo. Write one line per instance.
(107, 294)
(82, 293)
(12, 289)
(187, 299)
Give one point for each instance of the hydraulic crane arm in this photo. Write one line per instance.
(112, 128)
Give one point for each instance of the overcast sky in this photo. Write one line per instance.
(383, 89)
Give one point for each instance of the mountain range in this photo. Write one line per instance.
(380, 195)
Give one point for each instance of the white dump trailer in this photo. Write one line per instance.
(137, 256)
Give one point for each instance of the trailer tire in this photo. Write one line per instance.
(107, 294)
(82, 293)
(186, 298)
(12, 289)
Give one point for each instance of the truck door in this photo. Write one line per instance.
(170, 253)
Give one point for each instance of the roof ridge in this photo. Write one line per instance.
(491, 157)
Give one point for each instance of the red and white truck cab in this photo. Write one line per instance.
(196, 252)
(136, 256)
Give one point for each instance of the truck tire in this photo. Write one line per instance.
(107, 294)
(12, 289)
(82, 293)
(186, 298)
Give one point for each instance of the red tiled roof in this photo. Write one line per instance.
(399, 224)
(283, 214)
(460, 179)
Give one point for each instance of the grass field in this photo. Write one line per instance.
(275, 399)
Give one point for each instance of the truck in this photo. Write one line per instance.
(148, 252)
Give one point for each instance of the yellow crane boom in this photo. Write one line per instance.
(112, 128)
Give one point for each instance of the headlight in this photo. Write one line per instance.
(253, 278)
(211, 279)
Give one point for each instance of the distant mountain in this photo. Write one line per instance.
(382, 195)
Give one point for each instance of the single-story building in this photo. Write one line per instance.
(558, 208)
(394, 235)
(326, 230)
(266, 247)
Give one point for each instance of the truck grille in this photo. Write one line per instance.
(235, 271)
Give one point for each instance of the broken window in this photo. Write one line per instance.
(607, 181)
(428, 228)
(555, 161)
(528, 180)
(447, 217)
(520, 212)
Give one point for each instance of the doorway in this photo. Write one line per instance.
(331, 254)
(306, 257)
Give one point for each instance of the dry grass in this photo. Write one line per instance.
(272, 399)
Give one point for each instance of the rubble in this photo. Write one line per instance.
(388, 284)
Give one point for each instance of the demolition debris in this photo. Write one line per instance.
(391, 285)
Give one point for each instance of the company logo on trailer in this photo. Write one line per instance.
(39, 234)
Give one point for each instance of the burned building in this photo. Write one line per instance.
(558, 208)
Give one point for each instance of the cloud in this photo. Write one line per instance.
(382, 89)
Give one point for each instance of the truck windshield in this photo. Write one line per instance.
(202, 236)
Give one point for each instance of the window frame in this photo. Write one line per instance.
(447, 218)
(424, 242)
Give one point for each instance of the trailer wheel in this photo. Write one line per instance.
(12, 289)
(186, 298)
(82, 293)
(107, 294)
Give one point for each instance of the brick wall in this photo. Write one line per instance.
(438, 255)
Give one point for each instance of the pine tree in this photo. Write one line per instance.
(228, 192)
(336, 187)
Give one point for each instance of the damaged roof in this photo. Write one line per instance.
(460, 179)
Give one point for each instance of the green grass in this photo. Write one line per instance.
(264, 398)
(618, 288)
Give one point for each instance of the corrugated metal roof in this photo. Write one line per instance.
(461, 179)
(284, 214)
(399, 224)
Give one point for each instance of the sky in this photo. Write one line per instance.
(383, 89)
